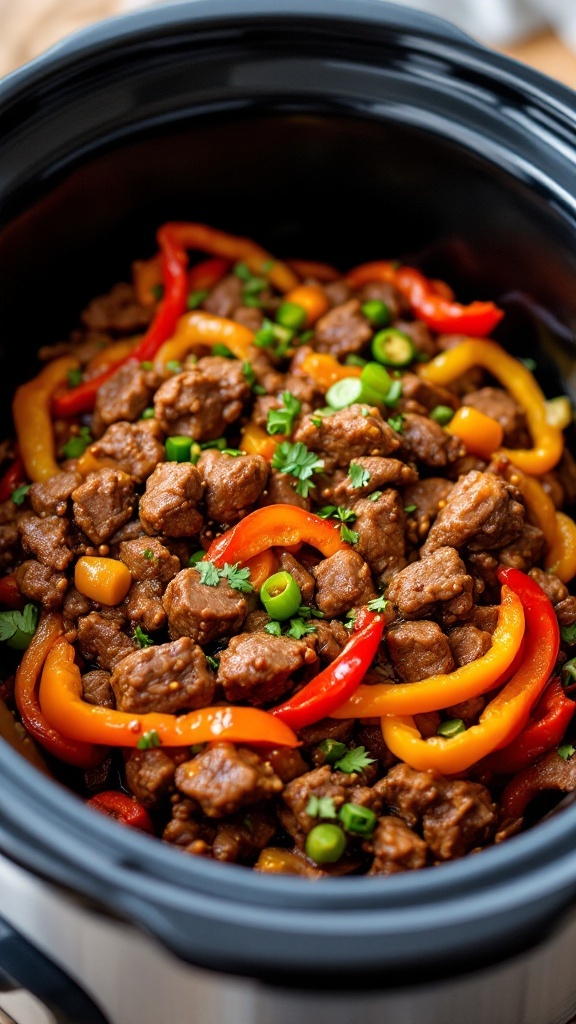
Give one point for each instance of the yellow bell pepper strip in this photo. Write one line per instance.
(83, 755)
(33, 420)
(325, 370)
(200, 328)
(63, 706)
(428, 304)
(275, 526)
(16, 737)
(88, 463)
(561, 558)
(481, 434)
(312, 299)
(506, 715)
(323, 272)
(538, 504)
(105, 580)
(255, 441)
(513, 375)
(442, 690)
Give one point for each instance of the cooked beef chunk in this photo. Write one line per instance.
(327, 728)
(96, 688)
(323, 782)
(202, 612)
(233, 484)
(342, 582)
(143, 605)
(383, 472)
(50, 498)
(40, 583)
(419, 649)
(258, 667)
(303, 578)
(250, 317)
(468, 643)
(426, 394)
(468, 710)
(102, 640)
(337, 292)
(185, 831)
(240, 842)
(9, 543)
(436, 583)
(395, 848)
(150, 775)
(386, 293)
(566, 611)
(380, 527)
(429, 496)
(136, 448)
(167, 678)
(485, 617)
(342, 330)
(224, 297)
(500, 406)
(75, 604)
(287, 763)
(118, 312)
(280, 490)
(124, 396)
(149, 559)
(47, 539)
(170, 502)
(347, 435)
(103, 503)
(223, 778)
(203, 401)
(526, 550)
(553, 587)
(428, 443)
(481, 513)
(369, 735)
(420, 335)
(331, 638)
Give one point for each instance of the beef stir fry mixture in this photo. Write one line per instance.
(285, 558)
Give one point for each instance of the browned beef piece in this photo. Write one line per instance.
(428, 443)
(150, 775)
(103, 503)
(395, 848)
(102, 640)
(224, 297)
(565, 475)
(427, 723)
(75, 604)
(263, 404)
(250, 317)
(436, 583)
(47, 539)
(240, 842)
(124, 396)
(481, 513)
(118, 312)
(429, 496)
(203, 401)
(420, 334)
(166, 678)
(280, 490)
(468, 710)
(136, 448)
(96, 688)
(185, 831)
(331, 638)
(383, 472)
(485, 617)
(386, 293)
(50, 498)
(143, 605)
(258, 667)
(303, 578)
(303, 388)
(323, 782)
(256, 621)
(456, 815)
(337, 292)
(9, 543)
(526, 550)
(343, 581)
(468, 643)
(369, 735)
(553, 587)
(40, 583)
(170, 503)
(380, 527)
(426, 394)
(202, 612)
(566, 611)
(347, 435)
(233, 484)
(223, 778)
(326, 729)
(287, 763)
(149, 559)
(342, 330)
(419, 649)
(500, 405)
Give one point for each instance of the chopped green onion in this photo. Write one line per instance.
(394, 394)
(222, 350)
(377, 312)
(325, 844)
(77, 445)
(196, 298)
(442, 414)
(377, 383)
(410, 508)
(345, 392)
(291, 315)
(453, 727)
(173, 366)
(568, 633)
(392, 348)
(218, 442)
(148, 413)
(397, 423)
(147, 365)
(354, 360)
(242, 270)
(149, 740)
(212, 663)
(178, 448)
(235, 452)
(375, 495)
(359, 820)
(74, 377)
(19, 493)
(281, 596)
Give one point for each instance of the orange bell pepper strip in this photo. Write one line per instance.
(255, 441)
(262, 566)
(438, 312)
(481, 434)
(539, 505)
(83, 755)
(325, 370)
(62, 704)
(323, 272)
(442, 690)
(105, 580)
(33, 421)
(310, 298)
(513, 375)
(200, 328)
(275, 526)
(561, 557)
(506, 715)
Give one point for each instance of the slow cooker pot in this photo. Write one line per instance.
(329, 130)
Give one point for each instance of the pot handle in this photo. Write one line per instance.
(22, 966)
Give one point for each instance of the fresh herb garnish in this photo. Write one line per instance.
(316, 420)
(345, 515)
(173, 366)
(305, 612)
(19, 493)
(297, 461)
(354, 761)
(234, 452)
(530, 363)
(281, 421)
(149, 740)
(18, 628)
(142, 638)
(274, 628)
(377, 604)
(568, 633)
(350, 536)
(321, 807)
(566, 751)
(74, 377)
(250, 378)
(238, 579)
(208, 574)
(299, 628)
(274, 337)
(77, 444)
(375, 495)
(213, 663)
(410, 508)
(359, 476)
(397, 423)
(196, 298)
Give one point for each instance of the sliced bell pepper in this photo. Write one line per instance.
(32, 419)
(545, 729)
(561, 558)
(325, 370)
(548, 773)
(122, 808)
(255, 441)
(275, 526)
(481, 434)
(200, 328)
(205, 275)
(335, 684)
(62, 704)
(14, 476)
(443, 690)
(505, 716)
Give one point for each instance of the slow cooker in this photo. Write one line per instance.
(328, 130)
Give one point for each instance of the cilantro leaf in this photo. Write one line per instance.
(19, 493)
(321, 807)
(354, 761)
(378, 604)
(149, 740)
(18, 628)
(568, 633)
(250, 377)
(142, 638)
(359, 476)
(326, 512)
(281, 421)
(304, 612)
(273, 628)
(208, 573)
(375, 495)
(238, 579)
(77, 444)
(345, 515)
(566, 751)
(397, 423)
(410, 508)
(298, 629)
(297, 461)
(348, 535)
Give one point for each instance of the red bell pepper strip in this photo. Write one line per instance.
(206, 274)
(14, 476)
(9, 593)
(274, 526)
(338, 681)
(123, 808)
(550, 772)
(442, 315)
(545, 729)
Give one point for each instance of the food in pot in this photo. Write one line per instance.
(286, 556)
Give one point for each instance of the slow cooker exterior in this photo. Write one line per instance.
(352, 130)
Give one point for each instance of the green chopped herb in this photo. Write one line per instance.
(19, 493)
(375, 495)
(442, 414)
(77, 444)
(275, 337)
(333, 750)
(305, 337)
(281, 421)
(451, 728)
(235, 452)
(397, 423)
(147, 365)
(410, 508)
(568, 633)
(354, 761)
(250, 377)
(566, 751)
(208, 574)
(267, 266)
(274, 628)
(238, 579)
(197, 748)
(149, 555)
(568, 673)
(350, 620)
(297, 461)
(327, 511)
(148, 413)
(345, 515)
(242, 270)
(222, 350)
(173, 366)
(377, 312)
(212, 662)
(196, 557)
(530, 364)
(299, 628)
(359, 476)
(321, 807)
(217, 442)
(350, 536)
(157, 291)
(195, 299)
(253, 286)
(291, 315)
(354, 360)
(377, 604)
(74, 377)
(18, 628)
(142, 638)
(305, 612)
(316, 420)
(149, 740)
(393, 395)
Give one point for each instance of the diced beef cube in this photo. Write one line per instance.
(103, 503)
(166, 678)
(50, 498)
(202, 402)
(426, 394)
(118, 312)
(40, 583)
(468, 643)
(395, 847)
(96, 688)
(223, 778)
(553, 587)
(526, 551)
(420, 335)
(380, 527)
(143, 605)
(47, 539)
(304, 388)
(428, 443)
(287, 763)
(429, 496)
(280, 490)
(343, 581)
(185, 831)
(418, 650)
(456, 815)
(386, 293)
(481, 513)
(331, 638)
(337, 292)
(501, 406)
(566, 611)
(258, 667)
(468, 710)
(347, 435)
(149, 559)
(170, 503)
(9, 543)
(102, 639)
(75, 604)
(250, 317)
(383, 473)
(340, 729)
(436, 583)
(224, 297)
(324, 782)
(233, 484)
(124, 396)
(136, 448)
(240, 842)
(303, 578)
(565, 475)
(485, 617)
(150, 776)
(342, 330)
(201, 612)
